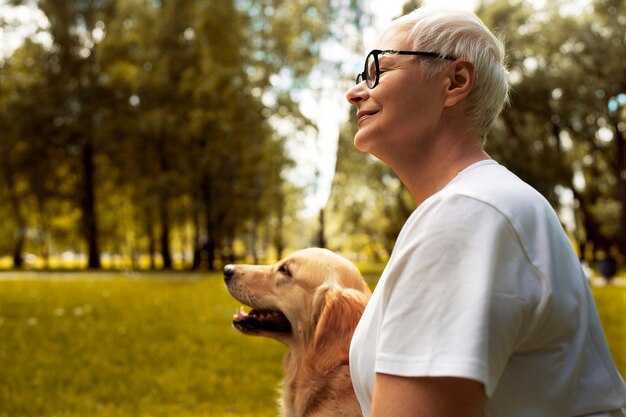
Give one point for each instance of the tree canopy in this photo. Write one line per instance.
(149, 132)
(146, 125)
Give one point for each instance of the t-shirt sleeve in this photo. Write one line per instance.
(457, 295)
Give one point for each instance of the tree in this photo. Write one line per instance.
(560, 130)
(154, 121)
(76, 99)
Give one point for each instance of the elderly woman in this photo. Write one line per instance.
(483, 308)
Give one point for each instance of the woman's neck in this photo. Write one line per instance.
(428, 176)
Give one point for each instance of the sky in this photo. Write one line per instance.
(28, 17)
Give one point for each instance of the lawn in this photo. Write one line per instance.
(144, 346)
(151, 345)
(611, 303)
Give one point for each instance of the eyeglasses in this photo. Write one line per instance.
(371, 72)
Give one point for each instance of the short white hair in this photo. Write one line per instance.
(462, 34)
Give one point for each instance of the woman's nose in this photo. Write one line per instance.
(357, 94)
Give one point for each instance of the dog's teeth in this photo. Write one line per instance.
(240, 313)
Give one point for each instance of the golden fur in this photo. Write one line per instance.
(311, 301)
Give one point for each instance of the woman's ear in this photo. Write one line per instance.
(461, 76)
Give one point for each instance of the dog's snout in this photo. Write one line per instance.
(229, 272)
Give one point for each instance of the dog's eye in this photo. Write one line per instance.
(284, 270)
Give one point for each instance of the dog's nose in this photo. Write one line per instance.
(229, 272)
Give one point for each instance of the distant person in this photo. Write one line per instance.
(483, 308)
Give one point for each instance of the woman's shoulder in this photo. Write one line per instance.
(483, 194)
(494, 185)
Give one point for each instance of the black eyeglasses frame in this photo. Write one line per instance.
(376, 52)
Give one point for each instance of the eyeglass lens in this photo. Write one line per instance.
(371, 70)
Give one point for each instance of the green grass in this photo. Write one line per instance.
(151, 345)
(611, 303)
(130, 347)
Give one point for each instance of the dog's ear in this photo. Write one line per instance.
(339, 312)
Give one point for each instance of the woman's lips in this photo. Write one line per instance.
(363, 115)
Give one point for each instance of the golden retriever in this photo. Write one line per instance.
(311, 301)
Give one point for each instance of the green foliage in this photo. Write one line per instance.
(150, 119)
(148, 127)
(410, 5)
(611, 303)
(564, 127)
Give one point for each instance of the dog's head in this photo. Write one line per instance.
(311, 297)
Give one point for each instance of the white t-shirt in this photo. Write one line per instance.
(484, 284)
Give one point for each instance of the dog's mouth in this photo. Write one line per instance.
(258, 320)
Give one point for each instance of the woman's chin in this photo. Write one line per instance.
(362, 142)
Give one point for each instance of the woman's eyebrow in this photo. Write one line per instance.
(387, 59)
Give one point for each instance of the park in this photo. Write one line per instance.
(146, 144)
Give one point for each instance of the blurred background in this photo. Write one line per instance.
(146, 143)
(186, 134)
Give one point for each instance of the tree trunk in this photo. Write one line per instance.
(42, 232)
(196, 261)
(151, 238)
(164, 192)
(321, 238)
(18, 247)
(280, 241)
(20, 221)
(165, 235)
(620, 177)
(210, 224)
(210, 250)
(88, 204)
(254, 237)
(592, 228)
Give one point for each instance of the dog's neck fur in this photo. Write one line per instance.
(317, 376)
(305, 387)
